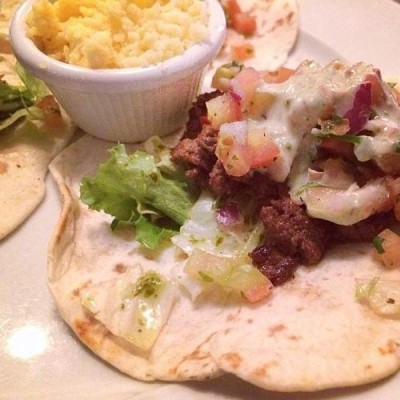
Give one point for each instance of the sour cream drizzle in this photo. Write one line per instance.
(312, 92)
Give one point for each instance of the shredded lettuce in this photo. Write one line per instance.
(34, 86)
(202, 232)
(16, 101)
(136, 192)
(383, 296)
(13, 118)
(232, 274)
(135, 306)
(219, 258)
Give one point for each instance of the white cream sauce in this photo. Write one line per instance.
(302, 100)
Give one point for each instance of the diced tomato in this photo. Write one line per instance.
(387, 248)
(263, 151)
(280, 75)
(259, 292)
(231, 7)
(244, 23)
(48, 103)
(242, 51)
(244, 85)
(223, 109)
(51, 112)
(240, 149)
(240, 21)
(232, 149)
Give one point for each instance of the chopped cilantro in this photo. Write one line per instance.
(149, 284)
(235, 63)
(354, 139)
(378, 244)
(288, 146)
(372, 114)
(307, 186)
(337, 119)
(205, 277)
(219, 241)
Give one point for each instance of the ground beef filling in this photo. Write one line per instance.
(196, 153)
(292, 237)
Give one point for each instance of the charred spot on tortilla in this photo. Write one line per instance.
(233, 359)
(120, 268)
(76, 292)
(295, 338)
(273, 330)
(231, 317)
(3, 167)
(263, 371)
(198, 354)
(86, 330)
(391, 347)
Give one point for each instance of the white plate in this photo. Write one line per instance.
(41, 359)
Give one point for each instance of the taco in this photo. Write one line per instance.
(260, 33)
(277, 190)
(33, 130)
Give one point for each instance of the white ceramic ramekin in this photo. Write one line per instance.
(126, 105)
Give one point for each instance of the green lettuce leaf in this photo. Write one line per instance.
(34, 86)
(15, 101)
(133, 190)
(13, 118)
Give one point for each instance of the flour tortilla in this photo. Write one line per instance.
(311, 334)
(276, 35)
(84, 251)
(24, 158)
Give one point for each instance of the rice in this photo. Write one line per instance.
(117, 34)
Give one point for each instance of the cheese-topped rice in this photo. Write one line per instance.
(115, 33)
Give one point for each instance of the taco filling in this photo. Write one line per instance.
(289, 164)
(312, 153)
